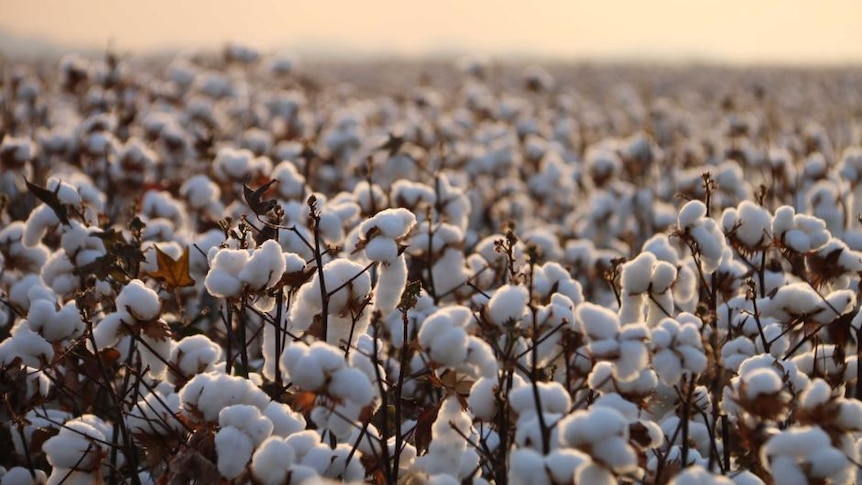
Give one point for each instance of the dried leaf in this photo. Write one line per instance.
(422, 431)
(254, 198)
(50, 199)
(303, 401)
(173, 273)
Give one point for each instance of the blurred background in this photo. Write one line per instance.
(721, 31)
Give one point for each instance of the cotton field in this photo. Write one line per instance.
(241, 268)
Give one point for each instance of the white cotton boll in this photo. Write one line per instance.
(711, 243)
(285, 421)
(761, 382)
(691, 213)
(636, 274)
(28, 345)
(230, 260)
(663, 276)
(272, 460)
(442, 479)
(828, 464)
(596, 321)
(588, 427)
(595, 475)
(221, 284)
(309, 376)
(601, 375)
(783, 220)
(381, 249)
(199, 191)
(139, 301)
(697, 475)
(78, 445)
(20, 475)
(392, 223)
(291, 184)
(449, 271)
(481, 400)
(391, 280)
(351, 384)
(247, 419)
(634, 356)
(449, 348)
(38, 222)
(849, 416)
(527, 467)
(756, 224)
(154, 355)
(110, 329)
(564, 464)
(234, 449)
(318, 458)
(480, 356)
(195, 354)
(508, 304)
(615, 453)
(746, 478)
(211, 392)
(265, 267)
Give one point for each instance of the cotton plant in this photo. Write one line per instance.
(449, 453)
(343, 390)
(340, 299)
(805, 454)
(79, 451)
(703, 232)
(623, 348)
(380, 240)
(234, 271)
(137, 317)
(444, 337)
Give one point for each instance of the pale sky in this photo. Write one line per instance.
(783, 31)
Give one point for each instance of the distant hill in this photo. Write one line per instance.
(24, 46)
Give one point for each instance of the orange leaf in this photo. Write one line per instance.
(173, 273)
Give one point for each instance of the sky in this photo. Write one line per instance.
(739, 31)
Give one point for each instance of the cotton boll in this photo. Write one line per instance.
(139, 301)
(194, 355)
(272, 461)
(597, 322)
(391, 223)
(265, 267)
(285, 420)
(381, 249)
(207, 394)
(77, 445)
(40, 220)
(20, 475)
(636, 274)
(508, 304)
(234, 449)
(29, 346)
(755, 225)
(482, 402)
(527, 467)
(480, 358)
(564, 464)
(691, 213)
(697, 475)
(247, 419)
(391, 280)
(351, 384)
(595, 474)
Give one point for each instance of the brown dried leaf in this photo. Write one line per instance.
(173, 273)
